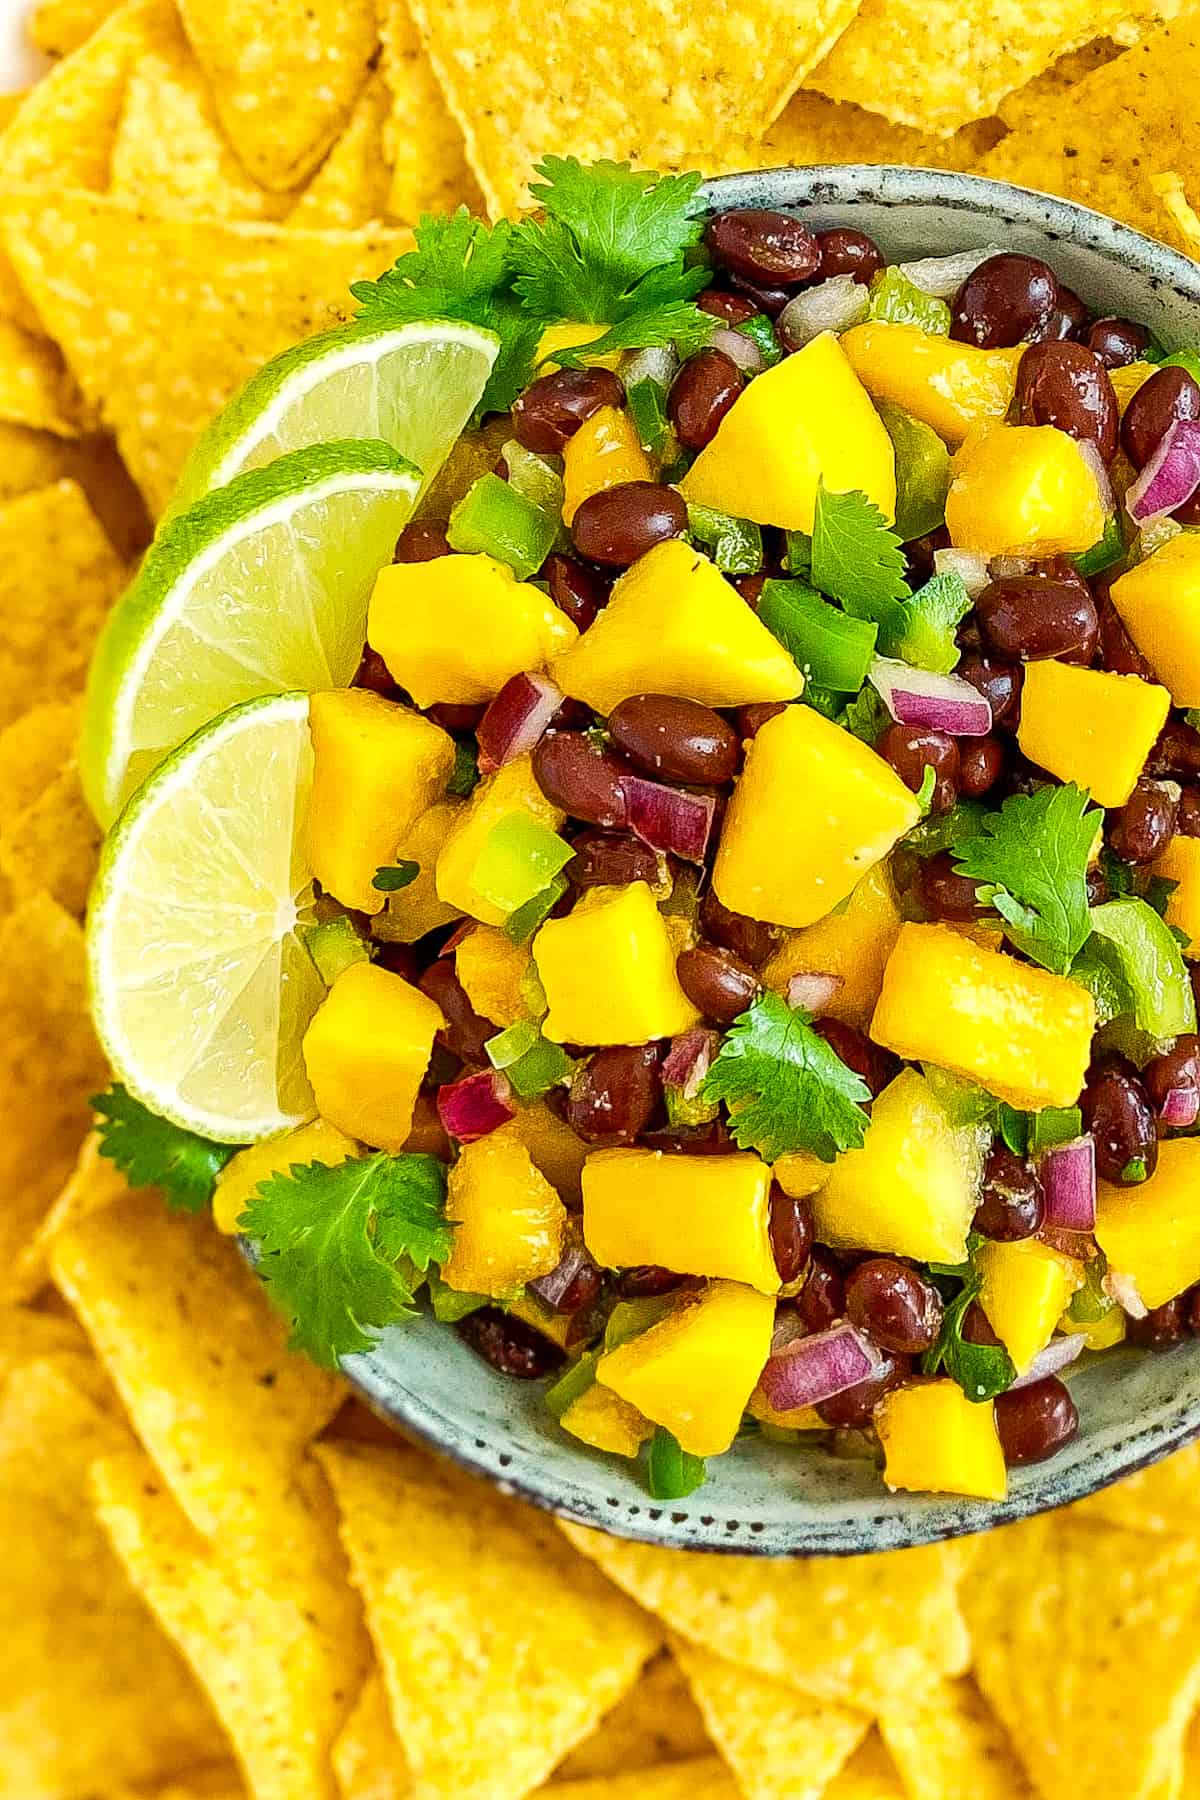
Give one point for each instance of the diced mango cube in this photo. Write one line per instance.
(1025, 1288)
(508, 1221)
(948, 385)
(674, 625)
(512, 789)
(1159, 604)
(815, 808)
(557, 1151)
(1023, 490)
(695, 1370)
(366, 1053)
(1021, 1032)
(456, 629)
(606, 1422)
(238, 1181)
(413, 910)
(936, 1441)
(799, 1418)
(535, 1312)
(1180, 863)
(1087, 726)
(494, 971)
(698, 1215)
(1127, 380)
(1151, 1232)
(853, 943)
(608, 970)
(605, 452)
(376, 768)
(913, 1188)
(807, 421)
(800, 1174)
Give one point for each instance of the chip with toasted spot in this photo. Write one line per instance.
(948, 1744)
(657, 1721)
(59, 26)
(423, 141)
(351, 187)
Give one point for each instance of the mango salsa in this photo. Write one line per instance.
(852, 943)
(508, 1221)
(1180, 863)
(494, 972)
(948, 385)
(556, 1150)
(1026, 1286)
(807, 421)
(603, 453)
(606, 1422)
(238, 1181)
(608, 970)
(936, 1441)
(512, 789)
(1159, 604)
(1151, 1233)
(413, 910)
(1090, 727)
(814, 810)
(1023, 490)
(366, 1053)
(698, 1215)
(1022, 1033)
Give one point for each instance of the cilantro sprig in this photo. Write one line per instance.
(786, 1088)
(341, 1249)
(981, 1370)
(151, 1152)
(857, 559)
(1031, 860)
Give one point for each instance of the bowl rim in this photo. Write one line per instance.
(698, 1526)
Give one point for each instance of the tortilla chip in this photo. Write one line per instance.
(351, 186)
(53, 845)
(869, 1775)
(87, 1681)
(37, 459)
(199, 1357)
(29, 1335)
(856, 1629)
(284, 75)
(781, 1745)
(367, 1758)
(58, 577)
(224, 297)
(1172, 193)
(94, 1183)
(1164, 1497)
(949, 1745)
(1087, 1644)
(516, 1649)
(35, 388)
(220, 1782)
(524, 79)
(33, 749)
(59, 26)
(423, 141)
(703, 1778)
(657, 1721)
(281, 1652)
(1105, 140)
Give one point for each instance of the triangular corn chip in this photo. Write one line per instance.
(423, 140)
(1164, 1497)
(37, 459)
(702, 1778)
(949, 1745)
(59, 26)
(351, 186)
(367, 1758)
(35, 387)
(657, 1721)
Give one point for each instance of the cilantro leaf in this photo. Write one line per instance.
(393, 876)
(339, 1247)
(151, 1152)
(925, 638)
(675, 322)
(981, 1370)
(786, 1088)
(857, 558)
(1033, 857)
(866, 716)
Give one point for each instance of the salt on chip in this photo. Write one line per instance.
(351, 186)
(701, 1778)
(423, 142)
(199, 1358)
(672, 87)
(1087, 1645)
(37, 459)
(284, 75)
(367, 1758)
(1164, 1497)
(88, 1683)
(225, 297)
(949, 1745)
(780, 1744)
(853, 1629)
(59, 26)
(500, 1648)
(279, 1650)
(657, 1721)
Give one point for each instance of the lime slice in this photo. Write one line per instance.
(262, 588)
(413, 385)
(201, 987)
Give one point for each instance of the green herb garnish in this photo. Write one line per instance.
(151, 1152)
(394, 876)
(1031, 860)
(785, 1087)
(857, 558)
(672, 1472)
(925, 636)
(981, 1370)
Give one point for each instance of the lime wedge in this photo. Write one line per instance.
(201, 987)
(261, 588)
(413, 385)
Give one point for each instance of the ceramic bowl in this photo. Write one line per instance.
(761, 1498)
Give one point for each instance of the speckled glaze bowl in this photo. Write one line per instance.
(762, 1499)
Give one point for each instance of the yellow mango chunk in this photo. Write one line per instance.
(413, 910)
(1023, 490)
(1106, 1332)
(1127, 380)
(698, 1215)
(1151, 1233)
(1159, 604)
(457, 628)
(809, 420)
(376, 767)
(606, 1422)
(608, 970)
(815, 808)
(695, 1370)
(366, 1053)
(799, 1418)
(853, 943)
(238, 1181)
(936, 1441)
(1087, 726)
(508, 1221)
(535, 1312)
(1025, 1289)
(605, 452)
(1180, 863)
(948, 385)
(800, 1174)
(557, 1151)
(512, 789)
(572, 335)
(913, 1187)
(1021, 1032)
(493, 970)
(674, 625)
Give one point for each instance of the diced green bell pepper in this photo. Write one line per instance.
(1150, 961)
(493, 518)
(831, 648)
(519, 859)
(922, 472)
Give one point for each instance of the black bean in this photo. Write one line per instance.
(701, 394)
(853, 1409)
(1145, 825)
(678, 739)
(896, 1307)
(732, 309)
(763, 246)
(980, 765)
(1010, 1202)
(621, 523)
(552, 408)
(1117, 1112)
(1168, 395)
(943, 892)
(911, 749)
(509, 1344)
(422, 540)
(611, 859)
(612, 1097)
(1036, 1421)
(791, 1232)
(1117, 342)
(1000, 684)
(1004, 301)
(575, 589)
(716, 981)
(581, 777)
(875, 1065)
(845, 251)
(1031, 618)
(751, 939)
(1067, 386)
(821, 1302)
(466, 1031)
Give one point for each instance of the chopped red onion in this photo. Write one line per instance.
(813, 992)
(667, 818)
(738, 348)
(553, 1286)
(1123, 1289)
(1000, 566)
(456, 937)
(516, 719)
(658, 363)
(969, 564)
(1069, 1185)
(815, 1368)
(689, 1059)
(1171, 476)
(942, 702)
(1180, 1108)
(476, 1105)
(833, 305)
(942, 276)
(1058, 1354)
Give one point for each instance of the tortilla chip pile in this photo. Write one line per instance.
(222, 1577)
